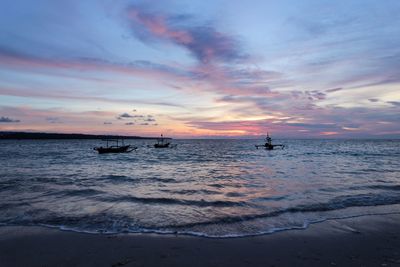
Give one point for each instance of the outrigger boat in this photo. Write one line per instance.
(115, 148)
(268, 144)
(162, 142)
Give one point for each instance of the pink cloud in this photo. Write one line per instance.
(157, 25)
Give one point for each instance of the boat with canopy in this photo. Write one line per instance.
(118, 147)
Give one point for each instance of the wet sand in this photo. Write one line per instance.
(363, 241)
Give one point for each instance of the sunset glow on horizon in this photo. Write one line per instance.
(307, 69)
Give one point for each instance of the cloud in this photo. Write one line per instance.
(124, 116)
(8, 120)
(53, 120)
(334, 90)
(138, 118)
(49, 118)
(130, 123)
(107, 123)
(319, 126)
(47, 93)
(262, 126)
(237, 80)
(394, 103)
(14, 59)
(205, 42)
(317, 26)
(217, 79)
(294, 122)
(310, 95)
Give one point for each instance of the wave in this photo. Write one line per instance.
(105, 222)
(141, 230)
(272, 230)
(338, 203)
(123, 178)
(387, 154)
(377, 187)
(191, 192)
(173, 201)
(74, 192)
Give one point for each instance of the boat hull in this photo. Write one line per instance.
(120, 149)
(161, 145)
(270, 147)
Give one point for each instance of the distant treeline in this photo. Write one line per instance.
(26, 135)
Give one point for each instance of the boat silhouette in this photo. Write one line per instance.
(115, 148)
(162, 142)
(268, 144)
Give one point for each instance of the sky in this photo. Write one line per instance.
(201, 69)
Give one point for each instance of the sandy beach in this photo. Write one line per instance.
(362, 241)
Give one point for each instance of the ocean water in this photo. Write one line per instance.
(213, 188)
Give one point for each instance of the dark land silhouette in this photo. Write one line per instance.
(31, 135)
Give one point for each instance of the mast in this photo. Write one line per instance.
(269, 139)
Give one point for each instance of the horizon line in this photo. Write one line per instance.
(244, 137)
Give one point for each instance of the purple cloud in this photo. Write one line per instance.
(203, 41)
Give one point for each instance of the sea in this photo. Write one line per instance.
(209, 188)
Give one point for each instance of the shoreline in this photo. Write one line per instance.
(372, 240)
(144, 231)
